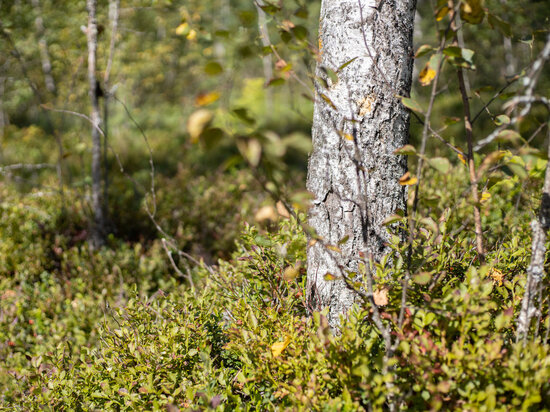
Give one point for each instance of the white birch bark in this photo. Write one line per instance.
(355, 182)
(98, 227)
(266, 60)
(43, 47)
(535, 271)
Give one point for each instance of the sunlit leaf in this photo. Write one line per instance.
(496, 275)
(427, 74)
(183, 29)
(422, 278)
(502, 119)
(291, 273)
(472, 11)
(330, 277)
(411, 104)
(205, 99)
(197, 122)
(407, 180)
(441, 13)
(380, 297)
(278, 347)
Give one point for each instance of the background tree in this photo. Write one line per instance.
(98, 226)
(365, 62)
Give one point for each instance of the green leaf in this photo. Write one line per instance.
(277, 81)
(346, 64)
(300, 32)
(243, 115)
(502, 119)
(472, 11)
(405, 150)
(509, 136)
(501, 25)
(441, 164)
(423, 278)
(343, 240)
(423, 50)
(392, 219)
(411, 104)
(460, 57)
(302, 13)
(270, 8)
(213, 68)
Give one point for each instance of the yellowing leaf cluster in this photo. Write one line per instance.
(278, 347)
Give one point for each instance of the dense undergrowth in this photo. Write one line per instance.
(117, 330)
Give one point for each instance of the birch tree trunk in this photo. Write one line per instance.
(114, 11)
(98, 227)
(358, 123)
(535, 271)
(266, 60)
(43, 46)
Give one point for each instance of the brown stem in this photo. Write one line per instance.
(471, 166)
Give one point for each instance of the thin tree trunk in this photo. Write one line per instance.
(43, 47)
(114, 7)
(3, 117)
(535, 271)
(98, 227)
(266, 60)
(358, 124)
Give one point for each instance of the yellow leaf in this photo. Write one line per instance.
(192, 35)
(348, 136)
(330, 277)
(334, 248)
(496, 275)
(426, 75)
(197, 122)
(441, 13)
(291, 273)
(485, 196)
(278, 347)
(407, 180)
(182, 29)
(472, 11)
(380, 297)
(205, 99)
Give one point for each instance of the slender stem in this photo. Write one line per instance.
(471, 166)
